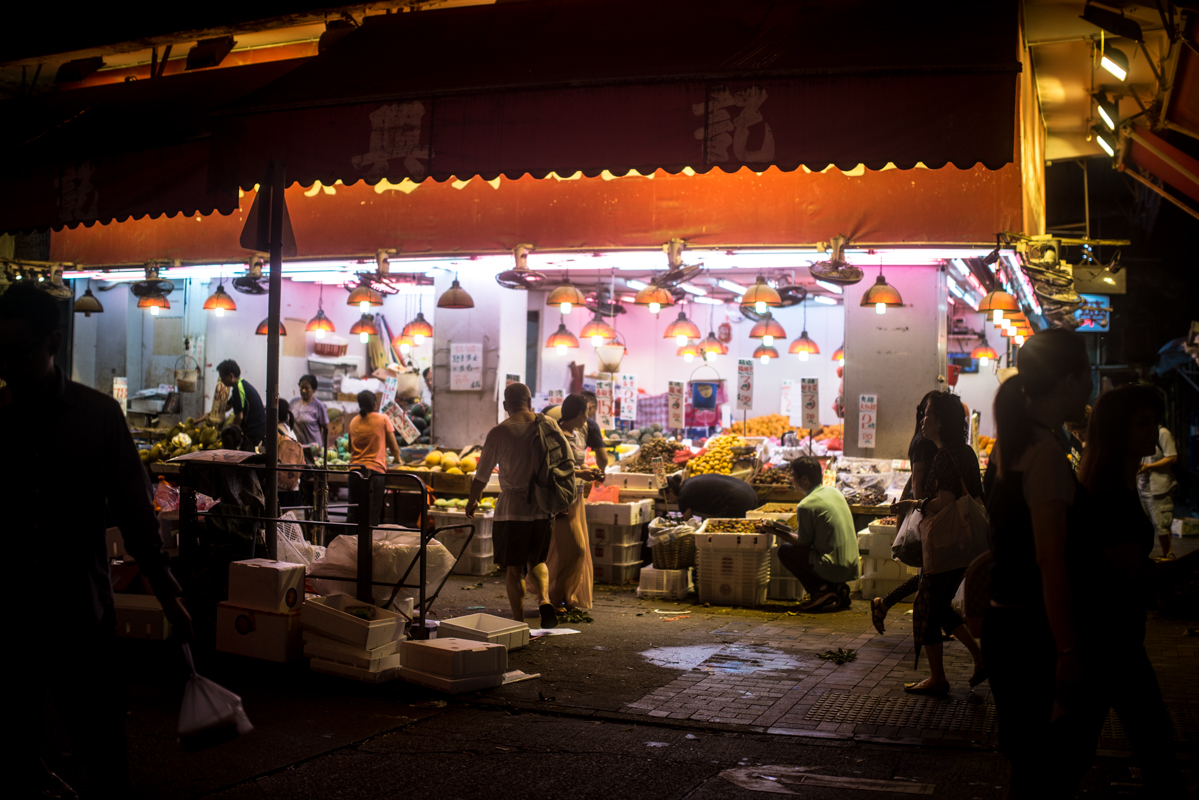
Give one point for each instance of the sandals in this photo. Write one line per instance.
(927, 689)
(549, 617)
(878, 614)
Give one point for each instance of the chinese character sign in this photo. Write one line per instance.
(120, 391)
(556, 396)
(867, 419)
(809, 399)
(466, 367)
(402, 423)
(745, 385)
(510, 379)
(603, 405)
(787, 407)
(389, 390)
(628, 397)
(675, 407)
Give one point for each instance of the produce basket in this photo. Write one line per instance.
(672, 545)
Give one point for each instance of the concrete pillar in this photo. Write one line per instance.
(899, 355)
(498, 322)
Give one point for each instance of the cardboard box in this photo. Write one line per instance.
(140, 616)
(635, 513)
(450, 685)
(486, 628)
(455, 658)
(266, 585)
(329, 616)
(317, 646)
(258, 634)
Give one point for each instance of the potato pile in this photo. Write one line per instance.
(718, 458)
(643, 462)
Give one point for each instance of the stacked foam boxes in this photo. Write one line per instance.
(486, 628)
(668, 584)
(733, 568)
(880, 573)
(352, 639)
(261, 618)
(614, 532)
(783, 585)
(479, 556)
(453, 665)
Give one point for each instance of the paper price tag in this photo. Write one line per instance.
(745, 385)
(466, 367)
(867, 419)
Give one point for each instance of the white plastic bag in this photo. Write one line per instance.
(662, 530)
(210, 714)
(393, 550)
(906, 548)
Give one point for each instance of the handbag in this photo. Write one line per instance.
(958, 534)
(907, 548)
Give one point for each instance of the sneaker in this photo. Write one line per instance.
(821, 600)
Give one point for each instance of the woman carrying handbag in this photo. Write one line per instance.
(949, 489)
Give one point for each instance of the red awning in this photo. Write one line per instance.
(578, 85)
(118, 151)
(1157, 157)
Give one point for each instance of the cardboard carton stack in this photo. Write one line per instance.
(352, 639)
(261, 618)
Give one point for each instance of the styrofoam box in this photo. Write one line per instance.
(475, 565)
(486, 628)
(616, 574)
(357, 673)
(455, 658)
(266, 585)
(886, 568)
(879, 587)
(781, 588)
(615, 553)
(450, 685)
(669, 584)
(483, 522)
(455, 540)
(634, 513)
(140, 616)
(781, 516)
(603, 533)
(328, 617)
(874, 527)
(258, 634)
(635, 480)
(875, 545)
(317, 646)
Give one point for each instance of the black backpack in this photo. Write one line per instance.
(552, 488)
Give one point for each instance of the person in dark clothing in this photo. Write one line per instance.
(595, 436)
(720, 496)
(1111, 632)
(248, 412)
(56, 534)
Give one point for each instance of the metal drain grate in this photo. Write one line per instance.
(1184, 717)
(904, 712)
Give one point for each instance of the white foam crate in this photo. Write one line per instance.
(635, 513)
(880, 587)
(455, 658)
(475, 565)
(668, 584)
(635, 480)
(449, 685)
(886, 569)
(875, 545)
(615, 553)
(616, 574)
(455, 542)
(483, 521)
(485, 628)
(328, 617)
(733, 568)
(875, 527)
(317, 646)
(603, 533)
(781, 588)
(762, 513)
(390, 673)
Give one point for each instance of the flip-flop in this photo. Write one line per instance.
(935, 690)
(549, 617)
(878, 614)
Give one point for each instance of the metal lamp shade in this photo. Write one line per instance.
(882, 292)
(419, 326)
(768, 326)
(261, 330)
(320, 323)
(682, 327)
(365, 324)
(761, 292)
(455, 297)
(804, 345)
(220, 299)
(565, 293)
(88, 304)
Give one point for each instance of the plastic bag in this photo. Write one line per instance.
(956, 536)
(662, 530)
(603, 494)
(393, 550)
(210, 714)
(166, 498)
(906, 549)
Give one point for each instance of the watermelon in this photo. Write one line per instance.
(418, 410)
(423, 440)
(420, 423)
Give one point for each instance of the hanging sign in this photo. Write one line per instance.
(627, 395)
(745, 385)
(675, 407)
(603, 405)
(867, 419)
(401, 422)
(787, 406)
(120, 391)
(809, 400)
(389, 390)
(466, 367)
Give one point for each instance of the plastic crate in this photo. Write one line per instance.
(668, 584)
(603, 533)
(615, 553)
(781, 588)
(330, 348)
(616, 574)
(454, 541)
(733, 568)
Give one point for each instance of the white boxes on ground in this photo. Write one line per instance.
(264, 585)
(616, 553)
(251, 632)
(140, 616)
(453, 665)
(615, 574)
(733, 568)
(633, 513)
(476, 558)
(669, 584)
(351, 639)
(485, 628)
(887, 569)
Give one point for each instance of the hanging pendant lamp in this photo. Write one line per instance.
(760, 296)
(768, 329)
(87, 304)
(711, 347)
(597, 330)
(881, 294)
(154, 302)
(365, 328)
(320, 324)
(839, 355)
(402, 344)
(455, 297)
(689, 351)
(996, 303)
(804, 347)
(261, 330)
(419, 329)
(364, 296)
(565, 296)
(219, 301)
(681, 330)
(562, 339)
(984, 353)
(654, 297)
(764, 353)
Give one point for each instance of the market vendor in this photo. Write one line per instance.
(595, 435)
(311, 417)
(719, 496)
(248, 412)
(822, 551)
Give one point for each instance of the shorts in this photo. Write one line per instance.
(521, 543)
(1161, 511)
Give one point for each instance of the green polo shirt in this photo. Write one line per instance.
(824, 521)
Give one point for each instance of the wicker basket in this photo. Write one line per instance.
(678, 553)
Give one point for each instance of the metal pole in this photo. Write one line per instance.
(365, 538)
(274, 306)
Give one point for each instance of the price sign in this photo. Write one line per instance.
(466, 367)
(675, 405)
(389, 390)
(867, 419)
(402, 423)
(556, 396)
(745, 385)
(603, 405)
(786, 401)
(809, 400)
(120, 391)
(628, 397)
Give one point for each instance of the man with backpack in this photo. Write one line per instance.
(536, 483)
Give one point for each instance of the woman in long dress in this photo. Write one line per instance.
(569, 560)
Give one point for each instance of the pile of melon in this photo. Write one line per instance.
(450, 464)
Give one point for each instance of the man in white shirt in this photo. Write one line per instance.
(1155, 484)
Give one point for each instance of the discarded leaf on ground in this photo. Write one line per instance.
(839, 655)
